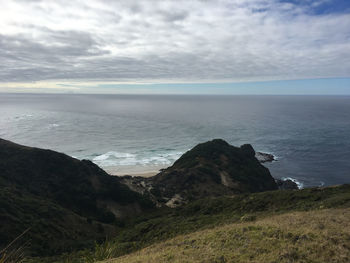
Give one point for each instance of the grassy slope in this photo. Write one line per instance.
(66, 203)
(52, 228)
(213, 212)
(317, 236)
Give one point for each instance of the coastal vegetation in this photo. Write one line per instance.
(66, 203)
(210, 213)
(313, 236)
(72, 211)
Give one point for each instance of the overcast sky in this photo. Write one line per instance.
(90, 45)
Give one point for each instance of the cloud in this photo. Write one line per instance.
(223, 40)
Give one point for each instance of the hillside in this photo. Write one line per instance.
(213, 168)
(64, 201)
(69, 204)
(317, 236)
(205, 214)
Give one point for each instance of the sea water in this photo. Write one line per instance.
(309, 135)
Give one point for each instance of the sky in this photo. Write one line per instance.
(175, 47)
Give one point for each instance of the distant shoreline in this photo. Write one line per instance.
(149, 171)
(141, 171)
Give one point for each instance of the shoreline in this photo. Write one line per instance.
(134, 171)
(149, 171)
(145, 175)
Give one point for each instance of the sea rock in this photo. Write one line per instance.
(264, 157)
(286, 184)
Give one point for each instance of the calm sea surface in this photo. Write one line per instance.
(310, 135)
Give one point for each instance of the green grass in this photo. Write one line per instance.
(165, 224)
(63, 200)
(313, 236)
(53, 229)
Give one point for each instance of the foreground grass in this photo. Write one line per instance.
(213, 212)
(165, 224)
(315, 236)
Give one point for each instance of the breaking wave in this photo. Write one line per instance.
(298, 183)
(23, 117)
(113, 158)
(53, 125)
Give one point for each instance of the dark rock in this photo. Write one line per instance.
(248, 150)
(264, 157)
(286, 184)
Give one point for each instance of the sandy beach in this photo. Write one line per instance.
(133, 170)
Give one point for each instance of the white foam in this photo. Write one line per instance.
(275, 157)
(53, 125)
(22, 117)
(113, 154)
(113, 158)
(299, 184)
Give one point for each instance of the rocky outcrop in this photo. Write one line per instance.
(265, 157)
(213, 168)
(286, 184)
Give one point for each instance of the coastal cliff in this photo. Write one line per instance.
(213, 168)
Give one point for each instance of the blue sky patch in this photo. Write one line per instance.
(322, 7)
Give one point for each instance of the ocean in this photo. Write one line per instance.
(128, 134)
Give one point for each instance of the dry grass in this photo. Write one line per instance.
(14, 252)
(315, 236)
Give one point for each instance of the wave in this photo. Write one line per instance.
(23, 117)
(53, 125)
(113, 158)
(113, 154)
(298, 183)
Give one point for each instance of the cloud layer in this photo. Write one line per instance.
(165, 41)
